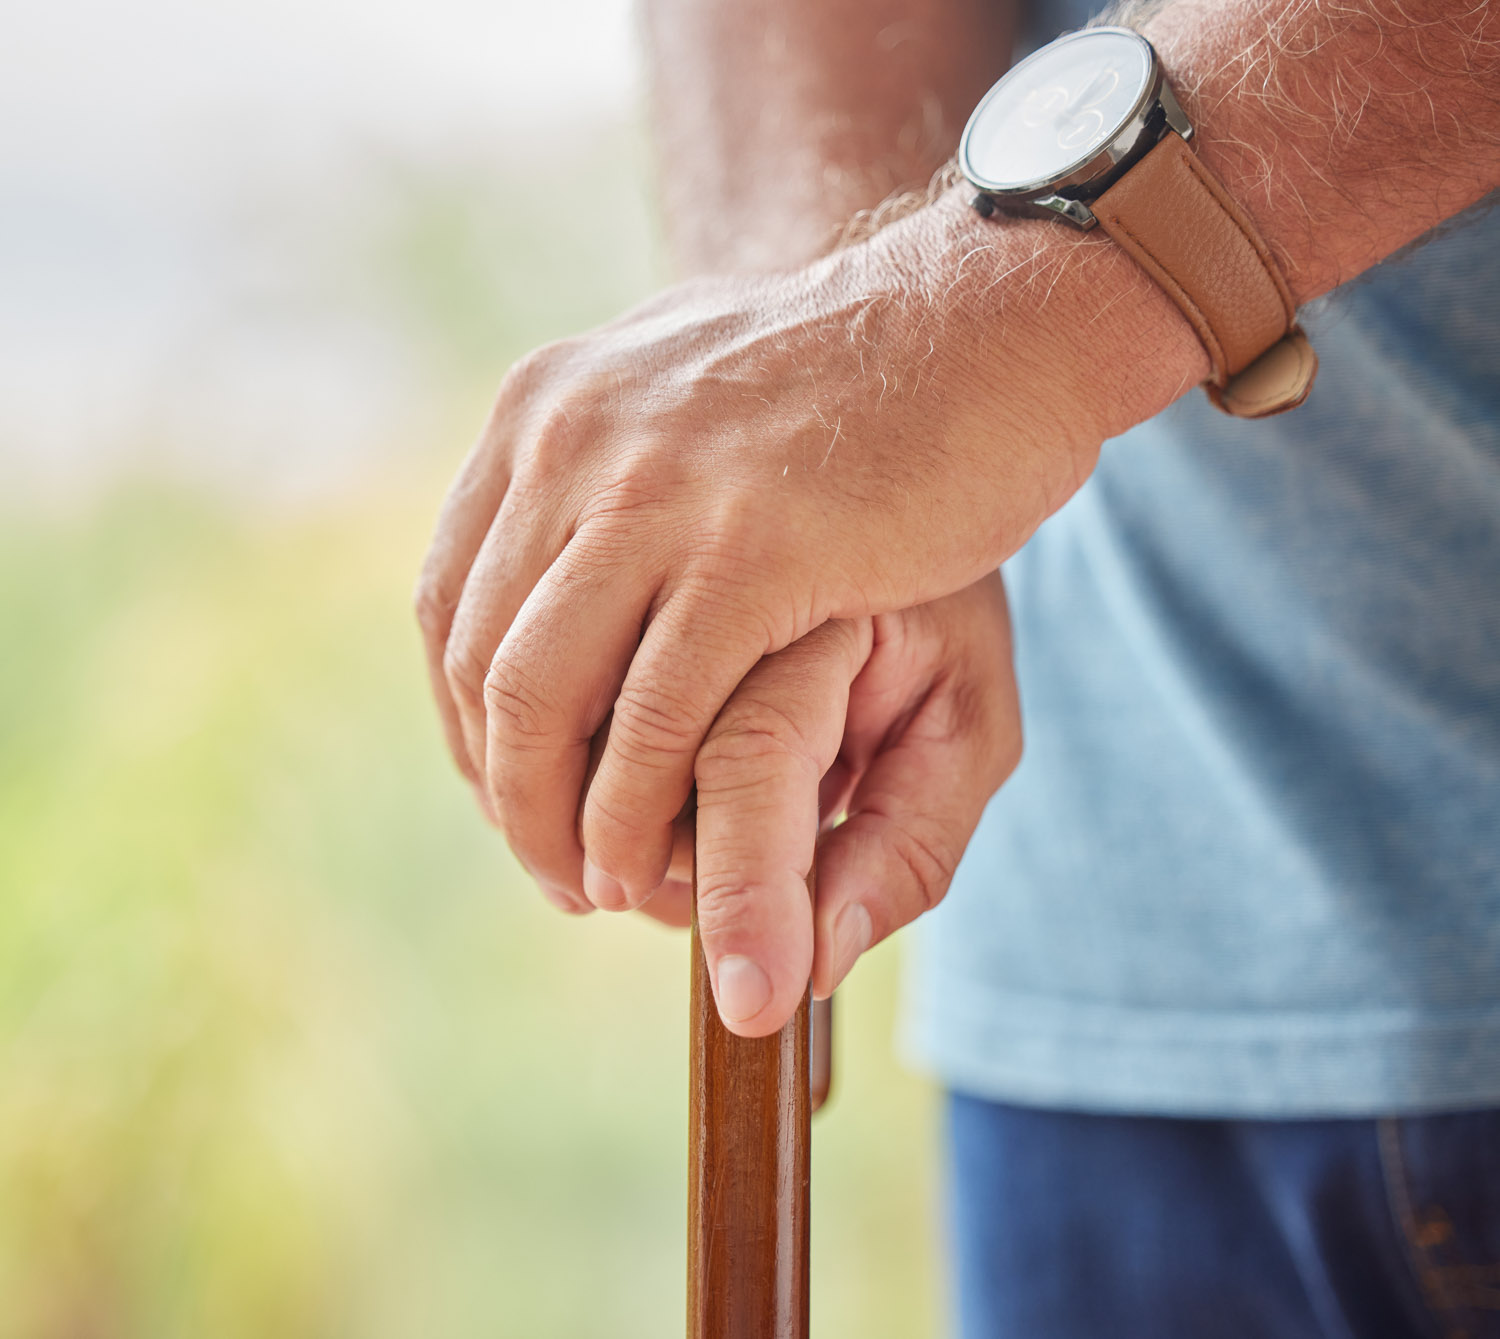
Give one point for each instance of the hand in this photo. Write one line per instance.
(657, 505)
(907, 723)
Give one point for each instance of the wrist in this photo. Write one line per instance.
(1060, 327)
(1246, 142)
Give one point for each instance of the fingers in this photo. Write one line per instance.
(915, 808)
(758, 776)
(465, 517)
(488, 500)
(691, 658)
(546, 694)
(565, 901)
(671, 904)
(516, 551)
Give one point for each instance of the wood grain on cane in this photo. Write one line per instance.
(748, 1175)
(820, 1061)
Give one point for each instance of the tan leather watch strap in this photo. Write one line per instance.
(1181, 226)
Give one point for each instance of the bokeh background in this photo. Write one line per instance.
(287, 1046)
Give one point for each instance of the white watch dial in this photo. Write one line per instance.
(1056, 109)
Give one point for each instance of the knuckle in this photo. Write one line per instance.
(612, 824)
(653, 725)
(464, 671)
(520, 373)
(735, 538)
(989, 724)
(637, 479)
(725, 905)
(607, 543)
(969, 707)
(549, 449)
(757, 742)
(528, 372)
(849, 637)
(433, 607)
(518, 711)
(928, 860)
(1007, 755)
(746, 597)
(629, 846)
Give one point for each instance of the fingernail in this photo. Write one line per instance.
(602, 890)
(564, 900)
(851, 937)
(743, 989)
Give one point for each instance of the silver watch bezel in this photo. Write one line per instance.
(1067, 193)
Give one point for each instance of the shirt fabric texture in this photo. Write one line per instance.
(1250, 862)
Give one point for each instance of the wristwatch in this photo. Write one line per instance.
(1088, 130)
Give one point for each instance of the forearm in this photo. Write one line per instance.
(778, 120)
(1345, 130)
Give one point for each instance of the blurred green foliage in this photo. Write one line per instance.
(287, 1046)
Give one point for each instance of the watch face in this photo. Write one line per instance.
(1057, 109)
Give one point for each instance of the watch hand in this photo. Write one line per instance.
(1086, 96)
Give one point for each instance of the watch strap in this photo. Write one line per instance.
(1172, 215)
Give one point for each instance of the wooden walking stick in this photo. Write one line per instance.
(749, 1167)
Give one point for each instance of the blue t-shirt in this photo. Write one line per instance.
(1250, 862)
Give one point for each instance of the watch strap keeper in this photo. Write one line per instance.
(1181, 226)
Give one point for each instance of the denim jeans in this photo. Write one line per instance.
(1071, 1226)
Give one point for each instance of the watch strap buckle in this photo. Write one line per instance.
(1278, 380)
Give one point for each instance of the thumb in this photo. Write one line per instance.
(757, 776)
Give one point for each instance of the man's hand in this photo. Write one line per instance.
(907, 723)
(657, 505)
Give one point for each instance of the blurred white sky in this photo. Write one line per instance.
(135, 138)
